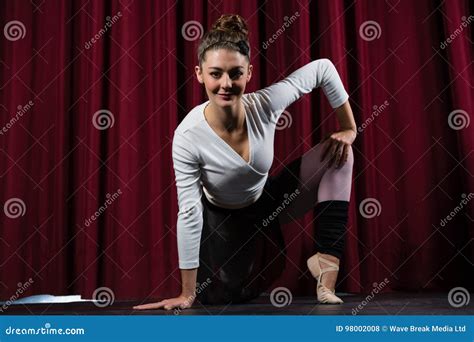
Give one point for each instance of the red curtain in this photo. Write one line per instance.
(91, 92)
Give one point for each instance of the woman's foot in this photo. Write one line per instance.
(324, 268)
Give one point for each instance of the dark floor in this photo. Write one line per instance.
(381, 304)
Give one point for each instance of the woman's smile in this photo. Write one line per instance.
(226, 97)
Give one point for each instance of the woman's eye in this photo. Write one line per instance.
(233, 76)
(237, 75)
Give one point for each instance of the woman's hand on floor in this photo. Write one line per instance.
(181, 302)
(337, 147)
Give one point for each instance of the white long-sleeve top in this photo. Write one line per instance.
(205, 162)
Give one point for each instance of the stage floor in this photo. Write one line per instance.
(381, 304)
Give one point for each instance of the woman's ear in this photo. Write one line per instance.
(198, 71)
(249, 73)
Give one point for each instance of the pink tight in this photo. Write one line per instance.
(317, 183)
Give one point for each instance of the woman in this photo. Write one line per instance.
(230, 211)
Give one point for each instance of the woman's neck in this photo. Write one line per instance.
(228, 119)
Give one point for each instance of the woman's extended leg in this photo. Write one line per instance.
(326, 190)
(314, 182)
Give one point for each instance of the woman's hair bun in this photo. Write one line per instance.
(230, 32)
(231, 22)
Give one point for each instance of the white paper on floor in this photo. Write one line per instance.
(45, 298)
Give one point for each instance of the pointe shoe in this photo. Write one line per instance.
(325, 295)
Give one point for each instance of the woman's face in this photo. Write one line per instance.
(224, 73)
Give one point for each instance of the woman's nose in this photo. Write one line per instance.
(226, 82)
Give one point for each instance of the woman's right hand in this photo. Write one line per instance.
(181, 302)
(185, 299)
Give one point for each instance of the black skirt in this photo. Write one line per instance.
(242, 251)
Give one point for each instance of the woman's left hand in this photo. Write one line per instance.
(337, 147)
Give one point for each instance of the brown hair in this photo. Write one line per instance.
(230, 32)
